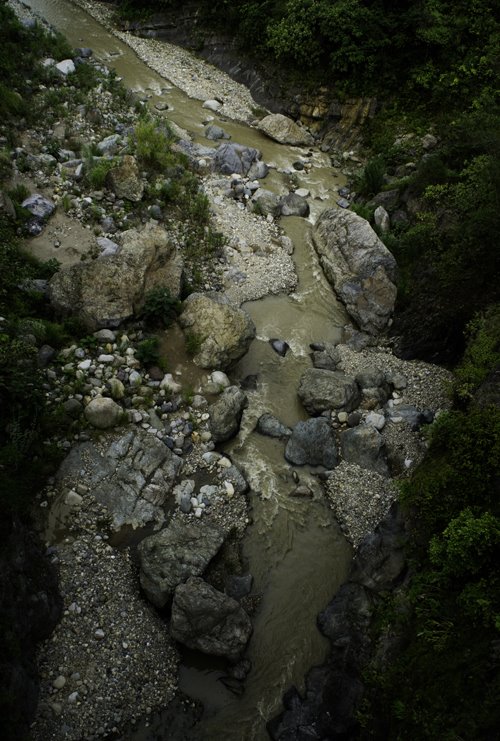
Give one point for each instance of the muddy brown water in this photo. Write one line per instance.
(293, 548)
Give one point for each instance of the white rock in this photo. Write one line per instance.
(224, 462)
(169, 383)
(135, 378)
(212, 105)
(66, 67)
(382, 219)
(220, 379)
(106, 335)
(303, 192)
(73, 499)
(104, 358)
(229, 488)
(85, 364)
(375, 420)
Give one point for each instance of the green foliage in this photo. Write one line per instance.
(97, 168)
(160, 308)
(85, 77)
(153, 144)
(20, 71)
(437, 50)
(444, 683)
(11, 103)
(461, 468)
(193, 343)
(482, 353)
(468, 545)
(372, 179)
(148, 352)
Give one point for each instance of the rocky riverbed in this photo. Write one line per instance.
(141, 441)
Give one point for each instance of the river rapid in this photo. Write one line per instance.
(294, 548)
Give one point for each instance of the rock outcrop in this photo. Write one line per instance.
(208, 620)
(312, 442)
(225, 414)
(321, 389)
(125, 180)
(223, 330)
(359, 266)
(235, 158)
(171, 556)
(285, 131)
(106, 291)
(131, 475)
(364, 446)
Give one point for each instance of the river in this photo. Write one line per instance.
(293, 548)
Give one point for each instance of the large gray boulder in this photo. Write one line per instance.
(364, 446)
(265, 202)
(223, 330)
(103, 413)
(168, 558)
(235, 158)
(39, 206)
(107, 291)
(359, 266)
(132, 475)
(285, 131)
(321, 389)
(294, 205)
(328, 358)
(208, 620)
(125, 180)
(225, 413)
(312, 442)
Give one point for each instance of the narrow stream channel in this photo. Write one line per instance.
(294, 548)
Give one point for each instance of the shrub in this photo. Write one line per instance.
(96, 170)
(372, 179)
(160, 308)
(193, 343)
(148, 351)
(153, 144)
(482, 353)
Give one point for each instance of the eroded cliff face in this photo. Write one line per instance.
(336, 122)
(29, 610)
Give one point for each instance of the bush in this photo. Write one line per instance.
(96, 170)
(372, 179)
(482, 353)
(153, 145)
(160, 308)
(148, 352)
(193, 343)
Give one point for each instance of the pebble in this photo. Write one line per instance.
(59, 682)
